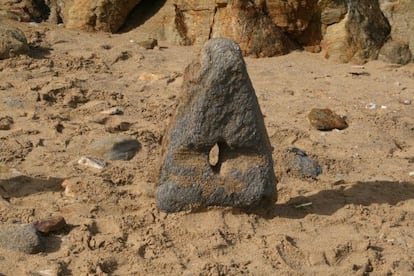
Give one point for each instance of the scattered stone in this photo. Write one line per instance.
(406, 102)
(50, 224)
(326, 119)
(218, 109)
(395, 52)
(116, 148)
(411, 173)
(12, 42)
(339, 179)
(5, 122)
(70, 187)
(116, 125)
(150, 77)
(148, 44)
(299, 164)
(113, 111)
(371, 106)
(92, 162)
(20, 237)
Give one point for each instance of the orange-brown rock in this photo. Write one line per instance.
(102, 15)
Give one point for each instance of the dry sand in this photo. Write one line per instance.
(361, 217)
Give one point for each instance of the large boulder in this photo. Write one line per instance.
(359, 36)
(102, 15)
(216, 151)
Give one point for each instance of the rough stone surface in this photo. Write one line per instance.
(218, 109)
(102, 15)
(326, 119)
(298, 163)
(22, 10)
(395, 52)
(359, 36)
(400, 14)
(116, 148)
(299, 19)
(188, 22)
(332, 11)
(12, 42)
(50, 224)
(23, 238)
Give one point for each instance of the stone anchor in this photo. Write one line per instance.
(218, 112)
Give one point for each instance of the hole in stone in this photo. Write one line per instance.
(215, 155)
(42, 9)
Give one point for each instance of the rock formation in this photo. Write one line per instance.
(345, 30)
(218, 112)
(12, 42)
(357, 37)
(102, 15)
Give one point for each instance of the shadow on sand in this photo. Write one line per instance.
(327, 202)
(21, 186)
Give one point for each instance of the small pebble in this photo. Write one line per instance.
(371, 106)
(92, 162)
(411, 173)
(69, 186)
(149, 44)
(116, 148)
(113, 111)
(50, 224)
(406, 102)
(298, 163)
(5, 122)
(326, 119)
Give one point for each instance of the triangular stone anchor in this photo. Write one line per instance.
(218, 112)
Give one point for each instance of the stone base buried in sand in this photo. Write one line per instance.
(219, 113)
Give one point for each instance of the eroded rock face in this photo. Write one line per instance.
(359, 36)
(218, 112)
(102, 15)
(247, 22)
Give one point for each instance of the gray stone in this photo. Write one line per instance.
(218, 112)
(357, 37)
(395, 52)
(12, 42)
(299, 164)
(20, 237)
(116, 148)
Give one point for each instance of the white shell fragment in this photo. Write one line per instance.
(92, 162)
(371, 106)
(113, 111)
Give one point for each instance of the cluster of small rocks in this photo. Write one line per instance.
(27, 238)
